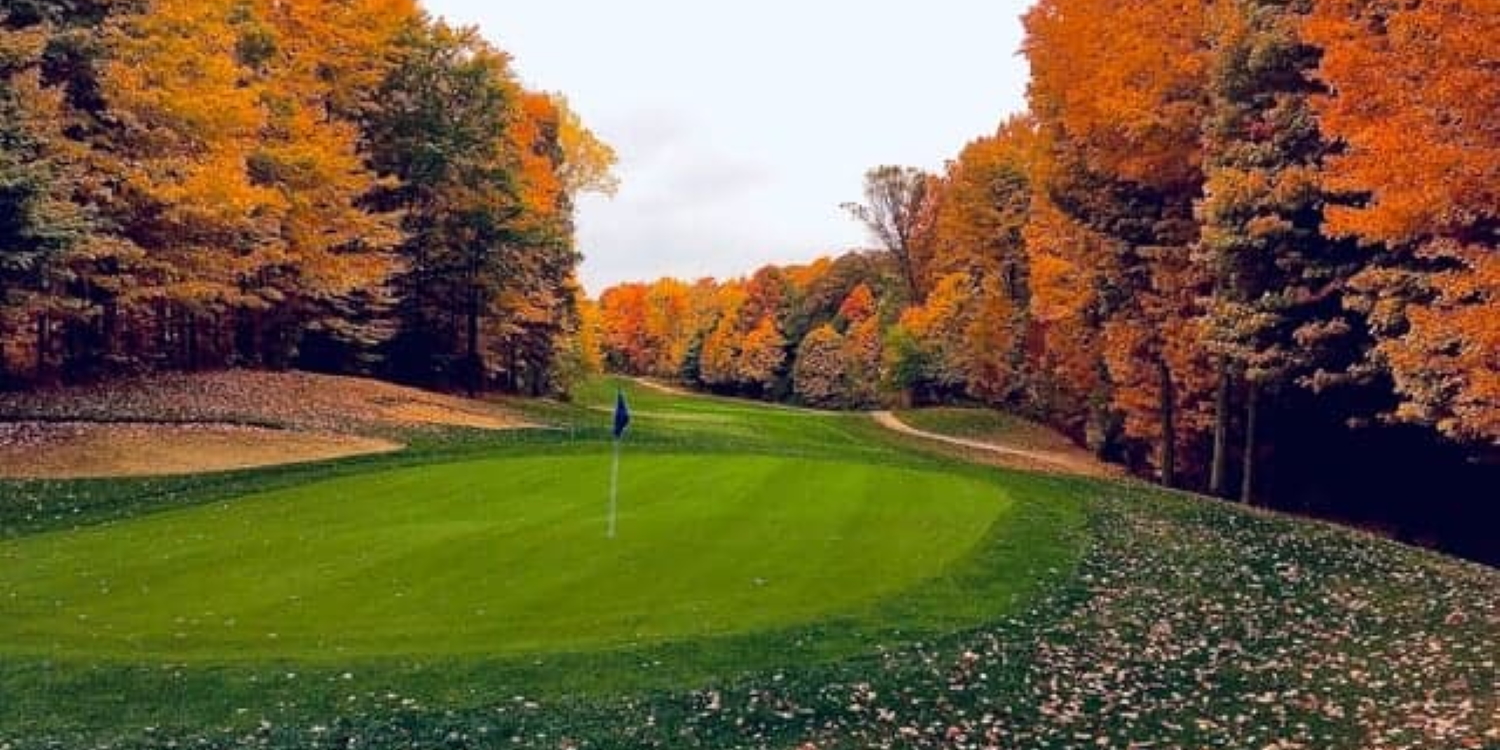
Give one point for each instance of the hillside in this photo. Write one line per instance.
(186, 423)
(783, 578)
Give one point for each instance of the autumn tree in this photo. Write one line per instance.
(818, 374)
(926, 354)
(1274, 311)
(188, 129)
(721, 347)
(761, 357)
(39, 223)
(439, 136)
(982, 208)
(898, 212)
(1069, 276)
(1117, 92)
(204, 184)
(316, 67)
(588, 162)
(1412, 101)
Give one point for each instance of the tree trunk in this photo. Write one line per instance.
(1219, 469)
(473, 363)
(109, 329)
(163, 331)
(1247, 482)
(190, 340)
(43, 344)
(1168, 426)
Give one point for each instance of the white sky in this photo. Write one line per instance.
(741, 126)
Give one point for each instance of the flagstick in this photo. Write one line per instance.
(614, 488)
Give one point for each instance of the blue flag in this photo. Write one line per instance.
(622, 414)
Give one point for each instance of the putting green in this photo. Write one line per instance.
(501, 556)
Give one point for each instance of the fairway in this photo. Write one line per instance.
(500, 556)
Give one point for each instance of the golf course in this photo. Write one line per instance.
(778, 576)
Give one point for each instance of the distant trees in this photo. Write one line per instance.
(1219, 224)
(336, 185)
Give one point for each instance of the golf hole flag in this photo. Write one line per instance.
(622, 420)
(622, 414)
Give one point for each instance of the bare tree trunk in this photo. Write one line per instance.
(1220, 465)
(474, 366)
(1247, 482)
(1168, 426)
(163, 331)
(43, 344)
(109, 328)
(190, 340)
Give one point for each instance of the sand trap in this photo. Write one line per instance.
(76, 450)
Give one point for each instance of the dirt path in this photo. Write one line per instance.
(1020, 458)
(660, 387)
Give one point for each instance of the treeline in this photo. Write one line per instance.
(338, 185)
(1226, 236)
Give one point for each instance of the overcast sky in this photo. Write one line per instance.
(741, 126)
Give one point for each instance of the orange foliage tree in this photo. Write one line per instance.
(1117, 91)
(1412, 98)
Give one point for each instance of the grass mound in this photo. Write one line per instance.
(494, 557)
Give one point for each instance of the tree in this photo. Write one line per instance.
(721, 345)
(1412, 101)
(1117, 92)
(1268, 318)
(859, 306)
(983, 205)
(439, 135)
(316, 67)
(588, 162)
(188, 129)
(39, 223)
(898, 212)
(819, 370)
(861, 356)
(927, 355)
(1069, 278)
(225, 181)
(761, 357)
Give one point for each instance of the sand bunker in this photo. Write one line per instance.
(74, 450)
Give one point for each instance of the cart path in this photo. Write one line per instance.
(1059, 462)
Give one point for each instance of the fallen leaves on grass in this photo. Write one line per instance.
(1187, 625)
(287, 400)
(70, 450)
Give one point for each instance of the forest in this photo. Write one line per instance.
(1247, 249)
(346, 187)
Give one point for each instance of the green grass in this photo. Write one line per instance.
(475, 564)
(854, 588)
(492, 557)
